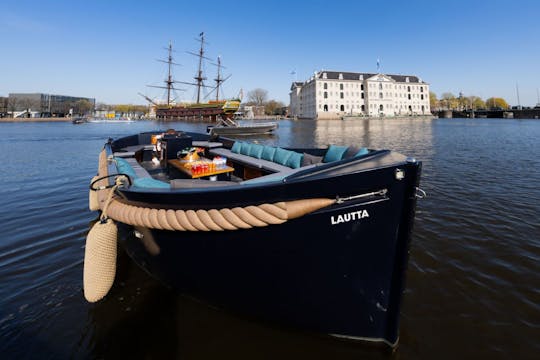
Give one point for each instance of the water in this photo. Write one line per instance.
(473, 288)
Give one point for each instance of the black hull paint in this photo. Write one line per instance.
(343, 279)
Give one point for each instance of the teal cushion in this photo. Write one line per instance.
(295, 160)
(362, 151)
(281, 156)
(245, 148)
(334, 153)
(236, 147)
(124, 168)
(256, 151)
(150, 183)
(268, 153)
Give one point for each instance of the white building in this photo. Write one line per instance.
(333, 94)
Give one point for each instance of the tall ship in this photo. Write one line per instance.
(209, 110)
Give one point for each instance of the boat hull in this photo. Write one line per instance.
(255, 129)
(338, 271)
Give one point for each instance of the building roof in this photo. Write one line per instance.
(334, 75)
(296, 84)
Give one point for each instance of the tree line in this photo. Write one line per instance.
(450, 102)
(259, 97)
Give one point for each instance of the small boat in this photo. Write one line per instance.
(229, 127)
(79, 120)
(109, 120)
(312, 239)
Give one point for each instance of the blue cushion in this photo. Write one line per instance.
(268, 153)
(150, 183)
(256, 151)
(362, 151)
(295, 160)
(245, 148)
(123, 167)
(236, 147)
(334, 153)
(281, 156)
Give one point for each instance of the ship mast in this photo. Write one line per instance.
(218, 80)
(199, 76)
(169, 80)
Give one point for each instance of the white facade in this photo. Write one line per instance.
(332, 95)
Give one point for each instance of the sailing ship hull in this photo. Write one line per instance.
(338, 271)
(209, 111)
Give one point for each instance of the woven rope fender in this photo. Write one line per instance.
(99, 260)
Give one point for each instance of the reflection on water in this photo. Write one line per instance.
(473, 286)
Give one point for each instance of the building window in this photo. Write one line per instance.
(342, 108)
(362, 95)
(325, 95)
(409, 96)
(380, 86)
(325, 108)
(340, 86)
(341, 95)
(362, 87)
(408, 88)
(422, 97)
(325, 86)
(381, 108)
(421, 89)
(363, 107)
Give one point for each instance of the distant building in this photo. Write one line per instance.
(251, 111)
(44, 105)
(333, 94)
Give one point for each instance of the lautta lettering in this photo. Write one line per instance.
(352, 216)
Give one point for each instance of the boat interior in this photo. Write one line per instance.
(155, 160)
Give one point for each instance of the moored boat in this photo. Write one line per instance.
(230, 127)
(316, 239)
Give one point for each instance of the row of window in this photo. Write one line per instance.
(342, 107)
(372, 94)
(373, 85)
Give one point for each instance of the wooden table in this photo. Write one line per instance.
(179, 165)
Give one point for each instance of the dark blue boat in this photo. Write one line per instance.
(314, 239)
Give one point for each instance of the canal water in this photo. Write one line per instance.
(473, 283)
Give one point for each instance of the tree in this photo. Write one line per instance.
(257, 96)
(433, 102)
(476, 102)
(496, 103)
(273, 107)
(82, 107)
(13, 104)
(449, 101)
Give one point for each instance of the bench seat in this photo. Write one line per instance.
(262, 164)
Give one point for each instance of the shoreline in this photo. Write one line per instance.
(26, 120)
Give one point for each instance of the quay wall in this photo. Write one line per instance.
(492, 114)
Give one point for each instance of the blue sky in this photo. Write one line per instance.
(107, 49)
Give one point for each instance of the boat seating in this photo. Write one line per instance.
(275, 159)
(140, 177)
(246, 160)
